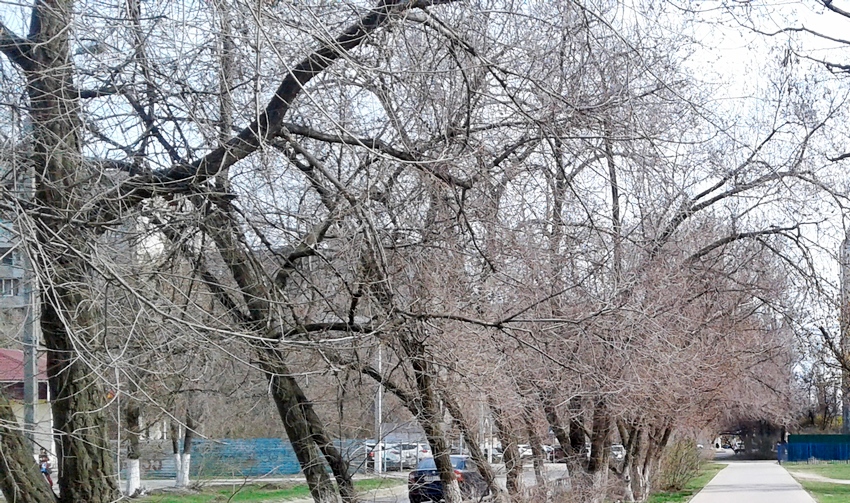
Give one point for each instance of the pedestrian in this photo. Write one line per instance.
(44, 465)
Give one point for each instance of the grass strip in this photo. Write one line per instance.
(253, 492)
(706, 473)
(827, 492)
(830, 470)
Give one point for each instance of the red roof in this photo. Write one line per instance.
(12, 366)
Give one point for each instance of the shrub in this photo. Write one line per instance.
(679, 465)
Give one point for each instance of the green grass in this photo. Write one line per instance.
(825, 492)
(707, 472)
(250, 493)
(840, 471)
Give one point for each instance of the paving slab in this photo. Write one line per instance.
(753, 482)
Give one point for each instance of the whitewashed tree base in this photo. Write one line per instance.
(134, 477)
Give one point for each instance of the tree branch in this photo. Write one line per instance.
(828, 4)
(738, 236)
(380, 146)
(15, 48)
(270, 120)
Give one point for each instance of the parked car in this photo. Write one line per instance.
(618, 452)
(389, 454)
(497, 453)
(738, 447)
(423, 483)
(412, 453)
(392, 459)
(558, 455)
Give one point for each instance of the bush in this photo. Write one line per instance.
(679, 465)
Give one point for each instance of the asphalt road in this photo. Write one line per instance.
(753, 482)
(554, 471)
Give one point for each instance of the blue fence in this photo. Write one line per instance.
(824, 452)
(255, 457)
(238, 458)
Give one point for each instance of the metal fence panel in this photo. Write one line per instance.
(820, 451)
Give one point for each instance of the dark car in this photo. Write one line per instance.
(424, 484)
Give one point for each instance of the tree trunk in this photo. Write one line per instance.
(844, 324)
(308, 437)
(429, 417)
(631, 435)
(132, 413)
(577, 437)
(655, 448)
(599, 437)
(300, 436)
(536, 449)
(186, 457)
(561, 434)
(332, 455)
(20, 479)
(597, 465)
(510, 454)
(473, 443)
(174, 430)
(85, 465)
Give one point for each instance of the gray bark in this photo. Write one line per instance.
(20, 479)
(473, 444)
(85, 466)
(510, 454)
(536, 449)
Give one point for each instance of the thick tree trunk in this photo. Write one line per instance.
(536, 449)
(554, 420)
(577, 437)
(655, 445)
(132, 413)
(597, 465)
(429, 417)
(510, 454)
(632, 436)
(300, 436)
(474, 447)
(185, 465)
(308, 436)
(85, 465)
(20, 479)
(599, 439)
(332, 455)
(561, 434)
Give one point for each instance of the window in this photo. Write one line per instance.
(7, 256)
(9, 287)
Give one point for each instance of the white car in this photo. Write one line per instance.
(412, 453)
(390, 456)
(525, 451)
(618, 452)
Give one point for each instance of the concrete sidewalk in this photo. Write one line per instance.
(753, 482)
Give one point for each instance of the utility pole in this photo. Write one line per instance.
(379, 395)
(30, 343)
(844, 323)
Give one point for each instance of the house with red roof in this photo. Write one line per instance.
(12, 375)
(12, 383)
